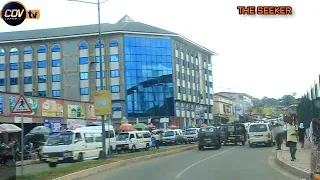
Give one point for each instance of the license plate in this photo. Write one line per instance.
(54, 160)
(207, 139)
(231, 137)
(118, 148)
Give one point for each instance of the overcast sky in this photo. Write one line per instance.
(261, 56)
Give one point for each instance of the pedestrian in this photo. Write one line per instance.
(292, 132)
(153, 141)
(278, 136)
(157, 137)
(302, 134)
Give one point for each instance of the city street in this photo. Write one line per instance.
(230, 162)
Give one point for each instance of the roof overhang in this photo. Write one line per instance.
(111, 32)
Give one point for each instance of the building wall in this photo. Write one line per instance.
(193, 83)
(64, 68)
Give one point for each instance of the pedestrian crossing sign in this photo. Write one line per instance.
(21, 106)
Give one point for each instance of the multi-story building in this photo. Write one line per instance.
(243, 102)
(151, 72)
(223, 110)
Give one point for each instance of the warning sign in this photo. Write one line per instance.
(21, 106)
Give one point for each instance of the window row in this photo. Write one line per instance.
(114, 89)
(190, 78)
(147, 51)
(28, 65)
(147, 42)
(148, 58)
(113, 73)
(28, 79)
(85, 60)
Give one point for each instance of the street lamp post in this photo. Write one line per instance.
(104, 150)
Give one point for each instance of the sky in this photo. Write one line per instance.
(258, 55)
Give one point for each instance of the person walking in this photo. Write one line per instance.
(292, 130)
(278, 136)
(302, 134)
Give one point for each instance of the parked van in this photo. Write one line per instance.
(131, 141)
(73, 145)
(173, 136)
(110, 134)
(260, 134)
(191, 134)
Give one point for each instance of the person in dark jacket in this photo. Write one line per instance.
(302, 134)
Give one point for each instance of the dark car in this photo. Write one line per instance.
(209, 137)
(233, 133)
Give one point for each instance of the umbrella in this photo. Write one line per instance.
(126, 127)
(173, 127)
(140, 126)
(9, 128)
(40, 130)
(151, 126)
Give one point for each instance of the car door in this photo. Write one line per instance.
(88, 146)
(140, 142)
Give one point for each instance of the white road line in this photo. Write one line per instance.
(194, 164)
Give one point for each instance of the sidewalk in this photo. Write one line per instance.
(301, 166)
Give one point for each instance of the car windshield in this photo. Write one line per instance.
(258, 128)
(122, 136)
(191, 131)
(169, 133)
(59, 139)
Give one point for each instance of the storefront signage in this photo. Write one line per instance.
(33, 103)
(53, 123)
(17, 119)
(76, 123)
(52, 108)
(76, 111)
(90, 112)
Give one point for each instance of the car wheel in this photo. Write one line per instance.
(250, 145)
(80, 157)
(133, 149)
(53, 165)
(243, 143)
(200, 147)
(147, 147)
(100, 155)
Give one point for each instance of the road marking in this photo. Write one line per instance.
(194, 164)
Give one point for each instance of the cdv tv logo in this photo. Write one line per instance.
(14, 13)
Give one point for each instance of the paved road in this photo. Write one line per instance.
(41, 167)
(230, 162)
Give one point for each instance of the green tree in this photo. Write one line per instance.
(269, 101)
(287, 100)
(304, 112)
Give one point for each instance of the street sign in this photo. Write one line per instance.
(200, 121)
(21, 106)
(102, 103)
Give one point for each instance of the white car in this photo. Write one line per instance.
(260, 134)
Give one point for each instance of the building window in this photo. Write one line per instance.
(113, 43)
(98, 74)
(210, 73)
(55, 48)
(27, 93)
(56, 78)
(114, 58)
(42, 64)
(42, 79)
(42, 93)
(115, 73)
(84, 91)
(56, 93)
(97, 59)
(84, 76)
(14, 81)
(179, 89)
(2, 67)
(116, 107)
(2, 81)
(83, 60)
(177, 60)
(83, 45)
(27, 65)
(98, 88)
(28, 80)
(115, 89)
(56, 63)
(14, 66)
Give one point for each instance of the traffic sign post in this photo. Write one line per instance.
(21, 107)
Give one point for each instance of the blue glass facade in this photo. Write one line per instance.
(148, 76)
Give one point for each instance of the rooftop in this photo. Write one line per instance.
(124, 25)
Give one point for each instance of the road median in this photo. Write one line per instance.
(88, 168)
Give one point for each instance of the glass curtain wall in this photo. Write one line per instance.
(148, 76)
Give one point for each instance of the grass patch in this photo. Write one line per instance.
(74, 167)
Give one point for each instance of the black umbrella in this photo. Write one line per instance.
(40, 130)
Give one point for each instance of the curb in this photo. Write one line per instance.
(293, 170)
(29, 162)
(102, 168)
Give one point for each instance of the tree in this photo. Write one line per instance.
(304, 112)
(269, 101)
(257, 103)
(287, 100)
